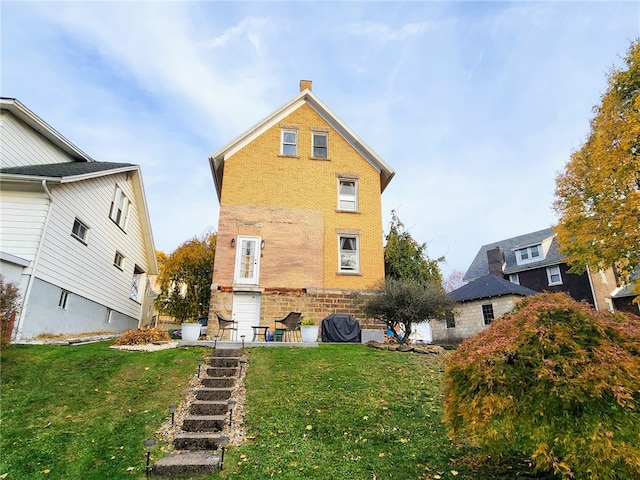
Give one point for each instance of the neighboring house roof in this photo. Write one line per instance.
(82, 167)
(65, 172)
(217, 159)
(27, 116)
(489, 286)
(480, 265)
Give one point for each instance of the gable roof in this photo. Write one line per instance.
(480, 265)
(36, 123)
(64, 172)
(217, 159)
(489, 286)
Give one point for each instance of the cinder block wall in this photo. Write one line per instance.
(469, 319)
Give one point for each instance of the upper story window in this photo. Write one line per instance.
(289, 146)
(348, 194)
(514, 278)
(529, 254)
(487, 313)
(119, 208)
(554, 276)
(349, 254)
(80, 231)
(320, 145)
(118, 260)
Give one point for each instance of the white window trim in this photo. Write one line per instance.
(84, 239)
(348, 198)
(356, 270)
(322, 134)
(484, 317)
(118, 198)
(63, 300)
(514, 278)
(120, 265)
(282, 133)
(549, 275)
(528, 250)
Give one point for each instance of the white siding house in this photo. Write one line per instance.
(74, 233)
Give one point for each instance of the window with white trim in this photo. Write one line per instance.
(349, 254)
(289, 145)
(119, 208)
(348, 194)
(63, 300)
(529, 254)
(118, 260)
(514, 278)
(554, 276)
(487, 313)
(80, 231)
(320, 142)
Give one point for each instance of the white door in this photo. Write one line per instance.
(246, 311)
(247, 261)
(421, 332)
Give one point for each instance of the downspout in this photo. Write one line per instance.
(593, 292)
(34, 265)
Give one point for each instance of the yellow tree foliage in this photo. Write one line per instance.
(185, 278)
(598, 194)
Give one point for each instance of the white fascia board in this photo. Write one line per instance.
(102, 173)
(27, 116)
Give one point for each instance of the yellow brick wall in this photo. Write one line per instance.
(258, 175)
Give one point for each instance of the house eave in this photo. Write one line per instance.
(21, 112)
(217, 159)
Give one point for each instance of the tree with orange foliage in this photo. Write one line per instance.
(185, 278)
(598, 194)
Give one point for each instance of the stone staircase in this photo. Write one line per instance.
(197, 447)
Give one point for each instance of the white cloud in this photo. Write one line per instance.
(385, 33)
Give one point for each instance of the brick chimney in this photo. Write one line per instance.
(495, 257)
(305, 85)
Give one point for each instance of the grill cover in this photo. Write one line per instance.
(340, 327)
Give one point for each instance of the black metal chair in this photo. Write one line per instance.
(225, 324)
(290, 324)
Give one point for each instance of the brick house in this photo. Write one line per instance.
(300, 225)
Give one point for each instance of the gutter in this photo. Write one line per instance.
(34, 265)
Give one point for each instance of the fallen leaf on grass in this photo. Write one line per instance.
(46, 470)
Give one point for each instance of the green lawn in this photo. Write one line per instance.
(333, 412)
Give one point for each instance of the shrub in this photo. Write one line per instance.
(554, 381)
(9, 308)
(406, 303)
(141, 337)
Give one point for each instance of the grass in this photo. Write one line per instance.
(83, 412)
(337, 411)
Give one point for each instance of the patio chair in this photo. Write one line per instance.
(290, 324)
(225, 324)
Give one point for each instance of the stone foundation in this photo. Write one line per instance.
(314, 303)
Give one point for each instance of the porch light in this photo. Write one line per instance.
(262, 244)
(233, 242)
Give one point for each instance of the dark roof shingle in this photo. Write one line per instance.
(489, 286)
(66, 169)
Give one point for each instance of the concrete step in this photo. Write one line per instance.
(197, 441)
(227, 352)
(224, 361)
(218, 382)
(202, 407)
(212, 394)
(204, 423)
(188, 464)
(221, 372)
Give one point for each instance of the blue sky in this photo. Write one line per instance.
(475, 105)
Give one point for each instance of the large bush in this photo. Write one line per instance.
(554, 381)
